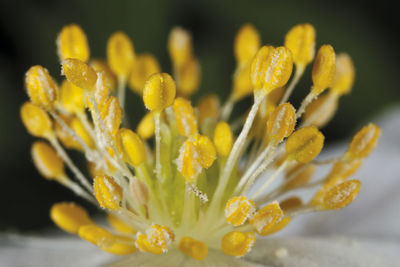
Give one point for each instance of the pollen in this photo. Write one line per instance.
(111, 114)
(305, 144)
(247, 42)
(188, 161)
(281, 122)
(159, 91)
(193, 248)
(237, 243)
(363, 142)
(69, 216)
(132, 147)
(265, 218)
(157, 239)
(323, 69)
(41, 87)
(206, 150)
(143, 67)
(36, 121)
(185, 118)
(47, 161)
(271, 68)
(108, 193)
(223, 139)
(342, 195)
(301, 41)
(238, 210)
(79, 73)
(72, 43)
(120, 54)
(207, 177)
(109, 80)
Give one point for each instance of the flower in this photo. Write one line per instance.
(199, 188)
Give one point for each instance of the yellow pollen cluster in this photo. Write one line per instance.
(206, 181)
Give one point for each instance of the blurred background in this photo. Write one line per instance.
(28, 29)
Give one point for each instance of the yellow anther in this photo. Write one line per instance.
(97, 236)
(188, 77)
(72, 43)
(247, 42)
(108, 193)
(208, 107)
(341, 195)
(188, 161)
(119, 225)
(184, 115)
(281, 122)
(132, 147)
(111, 114)
(259, 66)
(305, 144)
(144, 245)
(69, 216)
(41, 87)
(81, 131)
(301, 41)
(36, 120)
(345, 169)
(237, 243)
(301, 178)
(47, 161)
(66, 139)
(223, 138)
(271, 68)
(344, 75)
(323, 69)
(120, 54)
(144, 66)
(157, 239)
(238, 210)
(72, 98)
(193, 248)
(179, 46)
(123, 245)
(242, 85)
(108, 78)
(320, 111)
(278, 226)
(206, 151)
(159, 91)
(363, 142)
(146, 126)
(79, 73)
(290, 203)
(264, 219)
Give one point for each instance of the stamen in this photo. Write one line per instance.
(69, 216)
(237, 243)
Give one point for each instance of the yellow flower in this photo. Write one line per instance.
(192, 189)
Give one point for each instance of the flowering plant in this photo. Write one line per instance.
(197, 187)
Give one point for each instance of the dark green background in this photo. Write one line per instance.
(367, 31)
